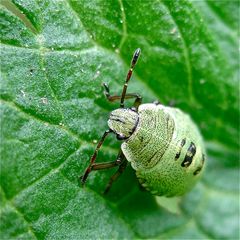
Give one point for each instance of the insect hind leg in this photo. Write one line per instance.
(118, 173)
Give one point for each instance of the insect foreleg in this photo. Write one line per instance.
(93, 158)
(113, 98)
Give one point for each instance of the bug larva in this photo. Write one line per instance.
(162, 144)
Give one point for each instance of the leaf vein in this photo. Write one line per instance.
(62, 128)
(30, 230)
(79, 19)
(46, 49)
(186, 55)
(108, 50)
(18, 13)
(124, 25)
(49, 173)
(42, 65)
(107, 203)
(219, 18)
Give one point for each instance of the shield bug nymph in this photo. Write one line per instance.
(162, 143)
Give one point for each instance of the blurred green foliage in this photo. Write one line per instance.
(54, 57)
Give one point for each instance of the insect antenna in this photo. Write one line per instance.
(133, 63)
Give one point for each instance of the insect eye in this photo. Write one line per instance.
(120, 137)
(133, 109)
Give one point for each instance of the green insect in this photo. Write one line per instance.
(162, 144)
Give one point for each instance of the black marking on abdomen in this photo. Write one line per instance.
(180, 148)
(197, 171)
(189, 155)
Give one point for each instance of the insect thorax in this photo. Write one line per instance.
(123, 121)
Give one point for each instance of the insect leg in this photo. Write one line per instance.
(106, 165)
(101, 166)
(117, 174)
(93, 158)
(138, 101)
(113, 98)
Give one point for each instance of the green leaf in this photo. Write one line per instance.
(54, 57)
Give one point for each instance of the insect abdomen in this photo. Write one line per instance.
(181, 162)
